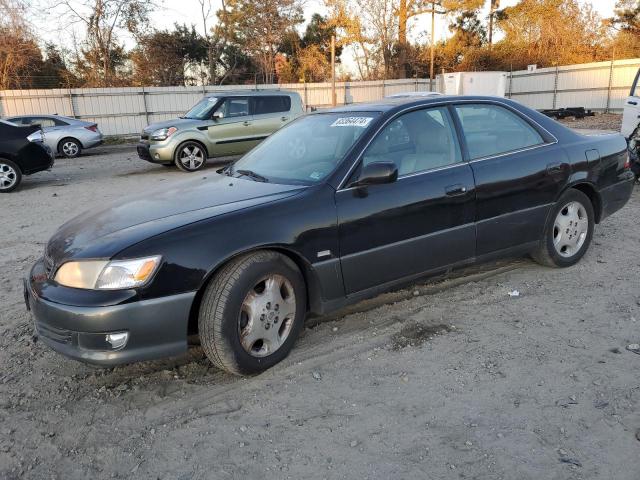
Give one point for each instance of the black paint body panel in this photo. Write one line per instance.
(31, 157)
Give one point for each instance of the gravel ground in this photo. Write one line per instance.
(452, 378)
(600, 121)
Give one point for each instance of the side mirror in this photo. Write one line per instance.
(217, 115)
(376, 173)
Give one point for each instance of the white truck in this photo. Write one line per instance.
(631, 124)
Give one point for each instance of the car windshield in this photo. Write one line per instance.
(305, 151)
(203, 109)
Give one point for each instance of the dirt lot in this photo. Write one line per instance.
(600, 121)
(453, 378)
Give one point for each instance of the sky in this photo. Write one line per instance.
(61, 31)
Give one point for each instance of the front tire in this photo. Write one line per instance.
(190, 156)
(69, 148)
(252, 312)
(10, 176)
(568, 232)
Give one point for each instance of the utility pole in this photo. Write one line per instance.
(333, 70)
(433, 43)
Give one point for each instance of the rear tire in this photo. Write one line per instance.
(252, 312)
(568, 232)
(10, 176)
(69, 148)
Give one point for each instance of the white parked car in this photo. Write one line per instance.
(631, 124)
(414, 94)
(631, 115)
(64, 135)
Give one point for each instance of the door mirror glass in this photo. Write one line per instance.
(376, 173)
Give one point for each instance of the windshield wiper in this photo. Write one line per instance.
(252, 174)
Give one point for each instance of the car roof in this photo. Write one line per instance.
(415, 94)
(251, 93)
(397, 103)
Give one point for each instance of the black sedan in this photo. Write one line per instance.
(22, 152)
(337, 206)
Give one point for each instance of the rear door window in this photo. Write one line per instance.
(635, 88)
(493, 130)
(44, 122)
(271, 104)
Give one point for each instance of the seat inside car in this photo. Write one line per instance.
(433, 148)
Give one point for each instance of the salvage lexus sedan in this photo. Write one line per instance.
(337, 206)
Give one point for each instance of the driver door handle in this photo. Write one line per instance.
(631, 102)
(246, 123)
(284, 119)
(455, 190)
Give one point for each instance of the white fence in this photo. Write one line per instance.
(599, 86)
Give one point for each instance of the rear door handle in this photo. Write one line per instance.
(455, 190)
(631, 102)
(553, 168)
(246, 123)
(284, 119)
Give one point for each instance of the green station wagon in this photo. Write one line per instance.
(221, 124)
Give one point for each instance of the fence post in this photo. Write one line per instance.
(555, 87)
(73, 109)
(511, 81)
(144, 103)
(384, 87)
(606, 109)
(306, 96)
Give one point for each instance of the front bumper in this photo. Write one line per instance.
(617, 195)
(156, 328)
(155, 153)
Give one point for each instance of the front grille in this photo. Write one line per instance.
(143, 152)
(56, 334)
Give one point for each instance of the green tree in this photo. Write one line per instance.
(164, 58)
(626, 29)
(259, 28)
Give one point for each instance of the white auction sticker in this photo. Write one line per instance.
(361, 122)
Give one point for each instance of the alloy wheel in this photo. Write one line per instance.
(70, 149)
(267, 315)
(8, 176)
(570, 229)
(192, 157)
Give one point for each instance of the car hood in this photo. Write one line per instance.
(105, 232)
(179, 123)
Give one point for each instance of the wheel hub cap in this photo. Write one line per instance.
(267, 315)
(192, 157)
(70, 148)
(570, 229)
(7, 176)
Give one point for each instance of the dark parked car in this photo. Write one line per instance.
(21, 153)
(333, 208)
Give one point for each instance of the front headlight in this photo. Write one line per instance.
(163, 133)
(108, 275)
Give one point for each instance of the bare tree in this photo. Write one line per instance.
(102, 20)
